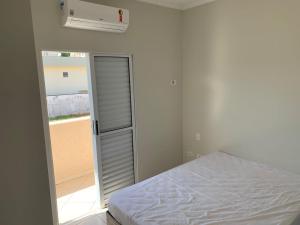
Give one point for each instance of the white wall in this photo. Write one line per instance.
(68, 105)
(241, 80)
(24, 189)
(154, 39)
(56, 83)
(240, 87)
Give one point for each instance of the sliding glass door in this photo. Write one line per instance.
(113, 122)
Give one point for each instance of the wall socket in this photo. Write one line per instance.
(189, 155)
(173, 83)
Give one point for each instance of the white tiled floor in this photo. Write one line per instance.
(96, 219)
(81, 208)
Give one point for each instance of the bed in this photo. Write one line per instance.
(215, 189)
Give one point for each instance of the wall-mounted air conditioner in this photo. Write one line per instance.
(90, 16)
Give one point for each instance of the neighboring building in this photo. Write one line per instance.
(65, 75)
(66, 83)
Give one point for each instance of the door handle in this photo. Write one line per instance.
(96, 127)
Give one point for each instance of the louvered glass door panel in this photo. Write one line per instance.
(117, 161)
(113, 89)
(113, 123)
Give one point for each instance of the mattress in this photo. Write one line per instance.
(214, 189)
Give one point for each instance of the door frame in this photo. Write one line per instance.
(47, 138)
(44, 107)
(95, 117)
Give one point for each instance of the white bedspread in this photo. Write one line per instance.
(215, 189)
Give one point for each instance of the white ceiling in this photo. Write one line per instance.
(178, 4)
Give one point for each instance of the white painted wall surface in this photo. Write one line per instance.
(241, 80)
(24, 195)
(154, 39)
(76, 81)
(68, 105)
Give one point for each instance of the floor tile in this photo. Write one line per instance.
(95, 219)
(85, 195)
(74, 210)
(79, 204)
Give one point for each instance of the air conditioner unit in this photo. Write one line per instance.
(90, 16)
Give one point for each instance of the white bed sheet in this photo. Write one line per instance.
(215, 189)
